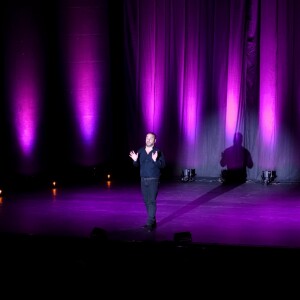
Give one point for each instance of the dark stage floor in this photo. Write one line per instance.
(252, 214)
(200, 223)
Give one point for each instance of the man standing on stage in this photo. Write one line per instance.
(150, 160)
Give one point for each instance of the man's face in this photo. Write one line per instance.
(150, 140)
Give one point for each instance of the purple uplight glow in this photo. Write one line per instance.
(152, 62)
(87, 61)
(188, 110)
(86, 99)
(25, 110)
(188, 55)
(231, 111)
(235, 59)
(268, 86)
(233, 93)
(25, 87)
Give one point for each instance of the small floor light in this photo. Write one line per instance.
(54, 189)
(268, 177)
(1, 198)
(108, 181)
(188, 175)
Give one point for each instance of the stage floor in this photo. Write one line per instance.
(251, 214)
(79, 229)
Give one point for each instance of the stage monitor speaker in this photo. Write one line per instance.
(188, 175)
(99, 234)
(183, 237)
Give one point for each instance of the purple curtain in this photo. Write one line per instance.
(99, 74)
(201, 70)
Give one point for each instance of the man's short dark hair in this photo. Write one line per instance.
(152, 134)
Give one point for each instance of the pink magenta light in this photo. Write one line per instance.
(87, 64)
(25, 84)
(152, 62)
(85, 96)
(231, 114)
(25, 108)
(268, 86)
(235, 70)
(190, 77)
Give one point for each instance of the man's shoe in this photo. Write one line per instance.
(151, 227)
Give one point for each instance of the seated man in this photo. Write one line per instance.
(237, 159)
